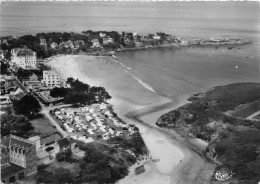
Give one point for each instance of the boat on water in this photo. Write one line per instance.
(236, 66)
(156, 160)
(139, 170)
(114, 56)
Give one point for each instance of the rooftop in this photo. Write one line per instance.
(6, 77)
(63, 142)
(95, 40)
(48, 139)
(16, 49)
(49, 72)
(35, 138)
(25, 52)
(10, 169)
(12, 140)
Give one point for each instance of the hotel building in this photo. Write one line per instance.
(51, 78)
(24, 58)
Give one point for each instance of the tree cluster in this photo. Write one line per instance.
(240, 153)
(95, 167)
(64, 155)
(4, 68)
(59, 92)
(27, 106)
(80, 93)
(16, 125)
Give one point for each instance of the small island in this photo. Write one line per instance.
(227, 118)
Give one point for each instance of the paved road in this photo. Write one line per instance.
(45, 111)
(20, 84)
(251, 117)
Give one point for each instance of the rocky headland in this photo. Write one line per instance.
(220, 117)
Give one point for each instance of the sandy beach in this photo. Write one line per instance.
(136, 102)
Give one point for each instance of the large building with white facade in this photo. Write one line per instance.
(24, 58)
(51, 78)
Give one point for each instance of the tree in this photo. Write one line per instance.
(63, 155)
(27, 105)
(29, 40)
(42, 35)
(55, 37)
(130, 36)
(77, 85)
(63, 176)
(16, 125)
(99, 92)
(122, 41)
(123, 34)
(115, 35)
(4, 68)
(75, 170)
(162, 35)
(150, 36)
(137, 143)
(41, 51)
(66, 37)
(70, 80)
(58, 92)
(76, 97)
(21, 73)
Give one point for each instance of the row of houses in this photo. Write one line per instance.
(78, 43)
(27, 58)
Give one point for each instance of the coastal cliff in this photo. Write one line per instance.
(220, 117)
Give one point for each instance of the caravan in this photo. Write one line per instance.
(5, 100)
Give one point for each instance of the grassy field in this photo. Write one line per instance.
(247, 111)
(43, 126)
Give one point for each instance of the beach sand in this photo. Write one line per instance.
(135, 102)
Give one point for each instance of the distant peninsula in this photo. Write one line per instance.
(228, 118)
(103, 42)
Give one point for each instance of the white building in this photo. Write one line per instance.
(24, 58)
(51, 78)
(54, 45)
(135, 34)
(2, 54)
(107, 40)
(102, 35)
(37, 141)
(156, 37)
(43, 42)
(95, 43)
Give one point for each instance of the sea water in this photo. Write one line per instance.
(166, 72)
